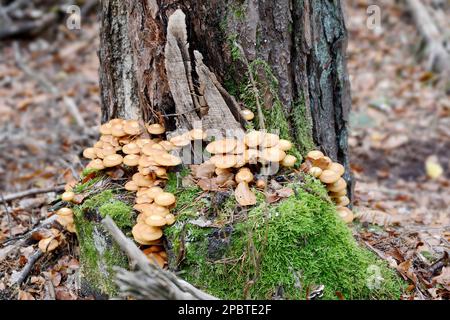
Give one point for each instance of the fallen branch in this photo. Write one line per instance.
(151, 282)
(19, 278)
(31, 192)
(29, 28)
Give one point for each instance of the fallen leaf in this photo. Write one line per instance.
(443, 278)
(23, 295)
(285, 192)
(204, 170)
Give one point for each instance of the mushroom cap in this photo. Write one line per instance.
(197, 134)
(96, 164)
(116, 121)
(329, 176)
(131, 127)
(289, 161)
(108, 150)
(240, 161)
(99, 153)
(160, 172)
(336, 167)
(67, 196)
(156, 128)
(146, 233)
(284, 144)
(224, 161)
(89, 153)
(141, 207)
(240, 148)
(71, 227)
(112, 160)
(141, 142)
(341, 193)
(244, 175)
(273, 154)
(152, 149)
(221, 146)
(345, 214)
(64, 220)
(181, 140)
(337, 186)
(170, 219)
(342, 201)
(143, 199)
(146, 161)
(270, 140)
(153, 191)
(141, 180)
(314, 155)
(260, 184)
(109, 139)
(156, 259)
(315, 172)
(65, 212)
(247, 114)
(131, 148)
(244, 196)
(48, 244)
(106, 128)
(167, 160)
(131, 160)
(155, 209)
(254, 138)
(117, 130)
(167, 145)
(165, 199)
(131, 186)
(155, 221)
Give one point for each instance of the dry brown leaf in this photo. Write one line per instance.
(285, 192)
(443, 278)
(23, 295)
(244, 196)
(203, 171)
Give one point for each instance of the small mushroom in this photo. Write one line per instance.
(314, 155)
(244, 196)
(244, 175)
(131, 148)
(247, 114)
(155, 221)
(336, 167)
(131, 160)
(117, 130)
(225, 161)
(221, 146)
(153, 191)
(131, 127)
(197, 134)
(131, 186)
(315, 172)
(66, 212)
(170, 219)
(270, 140)
(345, 214)
(156, 129)
(167, 145)
(89, 153)
(106, 128)
(181, 140)
(289, 161)
(153, 150)
(260, 184)
(251, 156)
(273, 154)
(341, 193)
(48, 244)
(342, 201)
(165, 199)
(141, 180)
(167, 160)
(329, 176)
(146, 232)
(96, 164)
(337, 186)
(284, 145)
(253, 139)
(112, 160)
(67, 196)
(141, 142)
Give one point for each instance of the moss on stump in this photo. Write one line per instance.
(284, 249)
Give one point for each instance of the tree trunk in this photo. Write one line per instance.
(291, 53)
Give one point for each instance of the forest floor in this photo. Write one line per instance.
(400, 121)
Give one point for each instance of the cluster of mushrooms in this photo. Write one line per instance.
(236, 159)
(330, 173)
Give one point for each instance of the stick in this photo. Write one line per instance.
(154, 281)
(31, 192)
(26, 270)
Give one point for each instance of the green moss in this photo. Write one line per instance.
(82, 187)
(295, 244)
(97, 265)
(302, 127)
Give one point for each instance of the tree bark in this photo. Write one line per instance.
(144, 59)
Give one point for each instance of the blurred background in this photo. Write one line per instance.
(400, 130)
